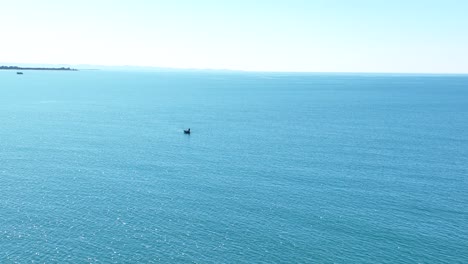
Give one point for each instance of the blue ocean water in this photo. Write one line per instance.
(279, 168)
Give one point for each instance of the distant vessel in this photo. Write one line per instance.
(19, 73)
(187, 131)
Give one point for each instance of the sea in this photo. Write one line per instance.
(278, 168)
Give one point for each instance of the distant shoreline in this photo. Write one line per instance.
(36, 68)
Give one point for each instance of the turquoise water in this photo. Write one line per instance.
(279, 168)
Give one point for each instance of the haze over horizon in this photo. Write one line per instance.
(287, 36)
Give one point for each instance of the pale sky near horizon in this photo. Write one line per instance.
(428, 36)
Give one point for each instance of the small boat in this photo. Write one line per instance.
(187, 131)
(19, 73)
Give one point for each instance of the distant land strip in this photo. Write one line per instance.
(35, 68)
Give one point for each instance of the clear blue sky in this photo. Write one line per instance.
(265, 35)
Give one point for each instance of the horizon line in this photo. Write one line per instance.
(97, 66)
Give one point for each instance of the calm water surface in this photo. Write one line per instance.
(279, 168)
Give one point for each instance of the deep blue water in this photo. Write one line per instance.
(279, 168)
